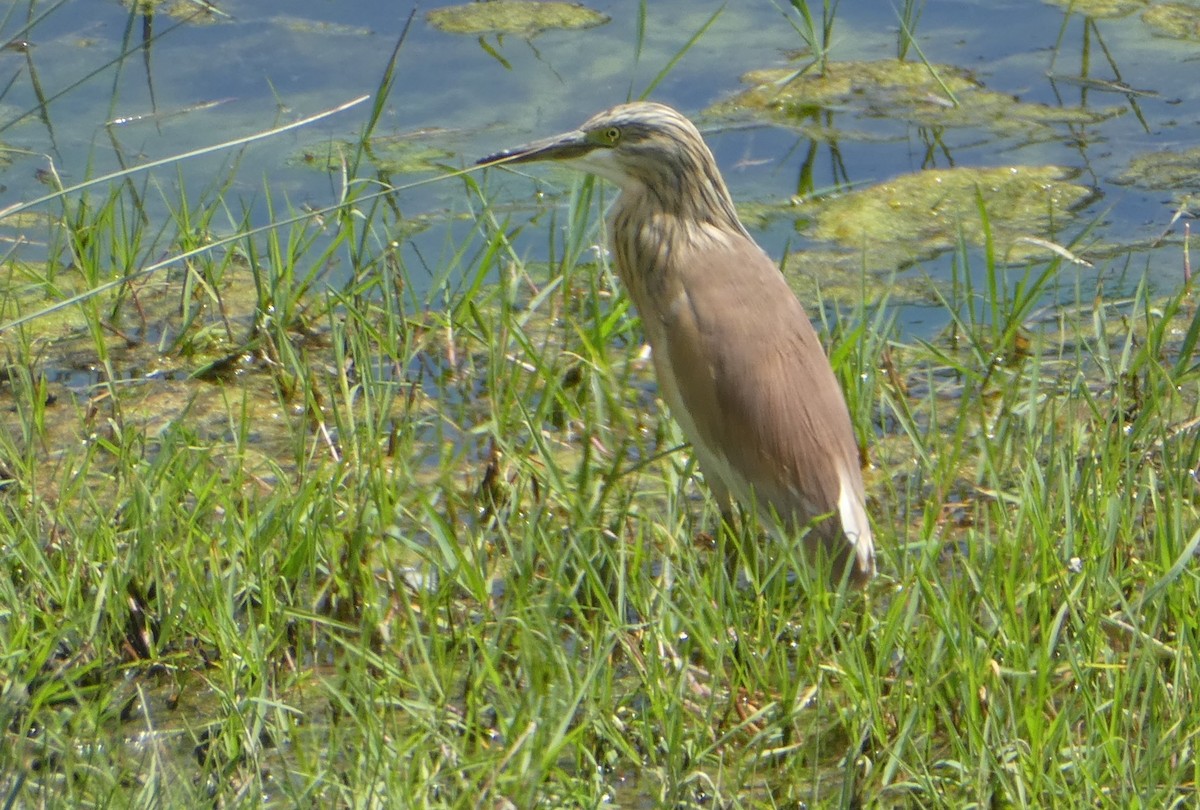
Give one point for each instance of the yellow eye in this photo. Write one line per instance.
(612, 135)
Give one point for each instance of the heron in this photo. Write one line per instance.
(737, 359)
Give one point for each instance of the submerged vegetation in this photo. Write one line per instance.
(294, 516)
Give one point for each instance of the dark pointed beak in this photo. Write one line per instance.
(566, 146)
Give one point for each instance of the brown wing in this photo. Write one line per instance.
(752, 375)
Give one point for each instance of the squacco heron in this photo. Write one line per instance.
(738, 361)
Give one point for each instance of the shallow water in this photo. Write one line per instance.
(185, 84)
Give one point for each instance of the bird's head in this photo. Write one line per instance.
(657, 157)
(641, 145)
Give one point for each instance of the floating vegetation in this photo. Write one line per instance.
(27, 219)
(187, 10)
(390, 154)
(303, 25)
(513, 17)
(838, 277)
(927, 95)
(916, 216)
(1101, 9)
(1164, 170)
(1174, 20)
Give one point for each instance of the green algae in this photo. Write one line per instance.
(1164, 170)
(1101, 9)
(189, 11)
(304, 25)
(915, 216)
(1174, 20)
(926, 95)
(872, 233)
(513, 17)
(389, 154)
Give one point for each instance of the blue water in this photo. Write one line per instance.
(273, 61)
